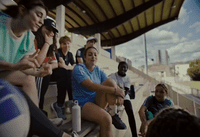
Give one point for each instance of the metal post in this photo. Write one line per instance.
(146, 63)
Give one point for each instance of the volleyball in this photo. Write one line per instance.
(14, 112)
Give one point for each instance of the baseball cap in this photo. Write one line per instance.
(92, 38)
(50, 23)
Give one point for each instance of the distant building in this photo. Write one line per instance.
(118, 59)
(162, 57)
(181, 70)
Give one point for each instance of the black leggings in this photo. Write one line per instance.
(40, 124)
(63, 79)
(131, 118)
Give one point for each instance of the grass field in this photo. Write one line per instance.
(193, 84)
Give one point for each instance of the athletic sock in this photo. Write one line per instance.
(113, 109)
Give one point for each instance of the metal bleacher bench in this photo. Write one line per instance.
(88, 129)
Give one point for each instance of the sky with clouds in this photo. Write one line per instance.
(181, 38)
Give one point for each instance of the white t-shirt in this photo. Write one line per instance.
(121, 82)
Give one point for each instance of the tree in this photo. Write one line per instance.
(194, 70)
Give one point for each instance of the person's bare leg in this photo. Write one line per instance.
(94, 113)
(103, 99)
(26, 81)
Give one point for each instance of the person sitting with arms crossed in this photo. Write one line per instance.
(63, 75)
(123, 81)
(94, 91)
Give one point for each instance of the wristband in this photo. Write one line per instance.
(47, 43)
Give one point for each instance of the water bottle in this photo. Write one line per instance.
(76, 117)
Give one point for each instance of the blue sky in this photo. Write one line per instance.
(181, 38)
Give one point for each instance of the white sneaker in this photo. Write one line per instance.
(56, 121)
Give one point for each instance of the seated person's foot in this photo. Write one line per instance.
(59, 111)
(117, 122)
(56, 121)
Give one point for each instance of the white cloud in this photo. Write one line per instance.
(189, 35)
(183, 16)
(196, 25)
(185, 51)
(159, 37)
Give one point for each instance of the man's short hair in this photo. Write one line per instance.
(63, 39)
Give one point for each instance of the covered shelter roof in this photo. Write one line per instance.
(118, 21)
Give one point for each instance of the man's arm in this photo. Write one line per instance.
(6, 65)
(27, 62)
(45, 70)
(62, 64)
(80, 60)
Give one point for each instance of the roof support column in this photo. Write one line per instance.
(113, 53)
(72, 37)
(60, 20)
(98, 44)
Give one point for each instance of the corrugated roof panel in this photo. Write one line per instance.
(73, 15)
(121, 30)
(149, 16)
(167, 9)
(106, 8)
(135, 24)
(67, 25)
(95, 9)
(176, 8)
(71, 21)
(117, 6)
(115, 33)
(128, 27)
(138, 2)
(158, 12)
(128, 4)
(81, 13)
(142, 19)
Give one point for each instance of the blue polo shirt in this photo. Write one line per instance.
(81, 73)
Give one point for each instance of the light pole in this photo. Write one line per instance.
(145, 48)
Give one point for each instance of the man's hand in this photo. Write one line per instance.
(143, 129)
(61, 63)
(120, 92)
(27, 62)
(45, 70)
(49, 37)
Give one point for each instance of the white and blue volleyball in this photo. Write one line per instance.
(14, 112)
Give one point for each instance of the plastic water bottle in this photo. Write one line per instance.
(76, 117)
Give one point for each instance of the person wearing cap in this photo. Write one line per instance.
(80, 52)
(45, 41)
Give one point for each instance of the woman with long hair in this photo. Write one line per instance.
(94, 91)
